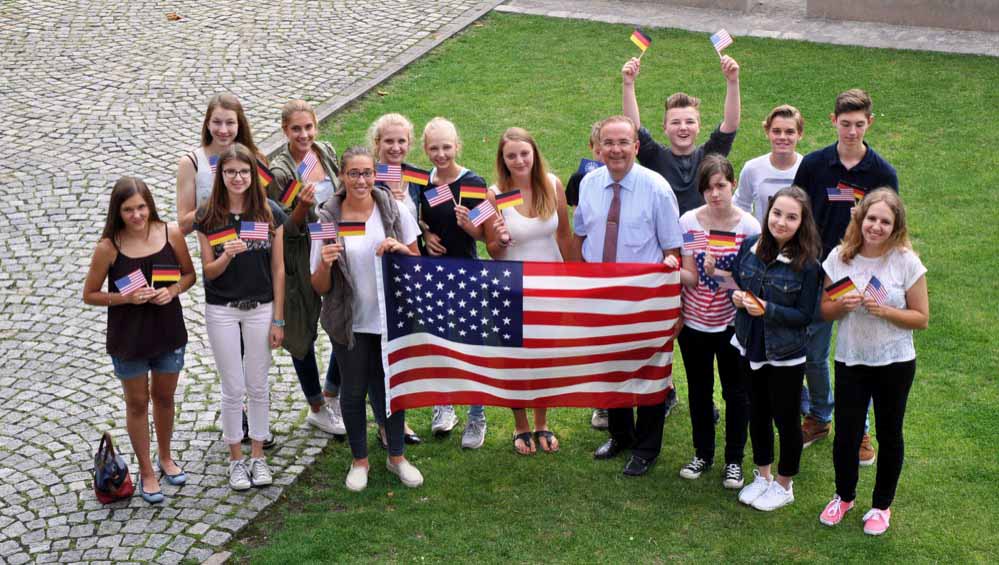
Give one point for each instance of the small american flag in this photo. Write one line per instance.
(438, 195)
(721, 40)
(695, 240)
(130, 282)
(876, 290)
(253, 230)
(213, 163)
(388, 173)
(320, 231)
(481, 213)
(308, 164)
(506, 333)
(840, 194)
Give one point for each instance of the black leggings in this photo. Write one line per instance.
(699, 351)
(775, 394)
(889, 387)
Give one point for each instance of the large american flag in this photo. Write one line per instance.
(504, 333)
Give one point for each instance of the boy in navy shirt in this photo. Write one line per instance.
(827, 175)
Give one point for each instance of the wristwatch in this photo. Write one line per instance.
(277, 323)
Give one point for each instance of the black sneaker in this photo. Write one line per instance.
(733, 476)
(694, 469)
(268, 443)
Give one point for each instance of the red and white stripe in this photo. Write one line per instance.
(594, 335)
(705, 308)
(309, 164)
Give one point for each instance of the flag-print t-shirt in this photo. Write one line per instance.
(863, 339)
(707, 307)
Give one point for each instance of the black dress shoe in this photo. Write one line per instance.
(638, 466)
(411, 439)
(609, 450)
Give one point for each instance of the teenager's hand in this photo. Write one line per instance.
(876, 310)
(851, 301)
(390, 245)
(162, 296)
(141, 296)
(461, 214)
(307, 197)
(501, 230)
(737, 299)
(630, 70)
(398, 192)
(330, 253)
(433, 242)
(275, 337)
(234, 247)
(671, 261)
(730, 69)
(709, 264)
(756, 307)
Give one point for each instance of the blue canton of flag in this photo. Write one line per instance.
(723, 263)
(448, 298)
(587, 165)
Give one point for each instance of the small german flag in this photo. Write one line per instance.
(640, 39)
(840, 287)
(290, 193)
(165, 275)
(265, 174)
(348, 229)
(718, 238)
(858, 193)
(223, 236)
(414, 175)
(469, 191)
(509, 199)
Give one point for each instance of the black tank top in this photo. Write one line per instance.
(144, 331)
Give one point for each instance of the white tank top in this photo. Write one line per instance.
(204, 176)
(533, 239)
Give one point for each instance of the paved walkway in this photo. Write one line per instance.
(782, 19)
(88, 92)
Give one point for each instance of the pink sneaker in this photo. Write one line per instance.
(835, 511)
(876, 521)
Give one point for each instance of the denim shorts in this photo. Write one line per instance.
(169, 362)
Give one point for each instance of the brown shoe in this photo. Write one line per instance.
(812, 431)
(867, 453)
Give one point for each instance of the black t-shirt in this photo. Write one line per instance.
(572, 188)
(248, 275)
(681, 170)
(442, 221)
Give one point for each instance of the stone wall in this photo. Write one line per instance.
(979, 15)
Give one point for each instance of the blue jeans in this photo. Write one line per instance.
(817, 398)
(307, 370)
(477, 412)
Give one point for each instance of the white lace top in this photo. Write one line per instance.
(532, 239)
(863, 339)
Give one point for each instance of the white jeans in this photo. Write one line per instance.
(246, 376)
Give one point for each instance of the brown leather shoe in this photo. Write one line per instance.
(812, 431)
(867, 453)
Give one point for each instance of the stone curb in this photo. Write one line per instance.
(333, 105)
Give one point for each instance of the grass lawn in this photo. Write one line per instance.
(935, 121)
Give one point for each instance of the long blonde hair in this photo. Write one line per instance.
(853, 241)
(543, 199)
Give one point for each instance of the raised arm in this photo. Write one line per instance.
(629, 103)
(733, 102)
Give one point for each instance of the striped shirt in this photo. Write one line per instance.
(706, 308)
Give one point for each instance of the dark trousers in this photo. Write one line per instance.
(889, 387)
(644, 434)
(699, 351)
(775, 393)
(360, 372)
(307, 370)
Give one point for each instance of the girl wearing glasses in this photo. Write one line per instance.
(343, 273)
(242, 257)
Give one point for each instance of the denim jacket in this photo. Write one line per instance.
(791, 298)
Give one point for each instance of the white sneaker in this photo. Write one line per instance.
(260, 473)
(444, 419)
(755, 489)
(239, 477)
(474, 435)
(775, 497)
(357, 478)
(336, 416)
(407, 473)
(323, 419)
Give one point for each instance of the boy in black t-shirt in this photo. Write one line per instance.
(572, 185)
(679, 161)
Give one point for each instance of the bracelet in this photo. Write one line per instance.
(277, 323)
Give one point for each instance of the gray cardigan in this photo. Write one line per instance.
(337, 313)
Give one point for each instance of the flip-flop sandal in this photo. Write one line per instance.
(526, 438)
(549, 436)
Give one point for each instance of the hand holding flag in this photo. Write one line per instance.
(131, 282)
(641, 40)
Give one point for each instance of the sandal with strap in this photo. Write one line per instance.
(526, 438)
(549, 436)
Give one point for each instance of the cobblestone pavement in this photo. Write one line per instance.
(93, 90)
(782, 19)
